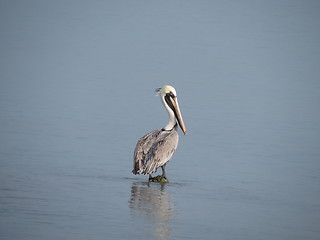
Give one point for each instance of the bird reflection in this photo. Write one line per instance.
(153, 203)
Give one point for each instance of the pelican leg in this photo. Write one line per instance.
(163, 177)
(163, 171)
(150, 178)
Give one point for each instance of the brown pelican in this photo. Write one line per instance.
(156, 148)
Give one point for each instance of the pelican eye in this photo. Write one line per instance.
(171, 94)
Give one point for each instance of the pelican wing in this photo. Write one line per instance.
(142, 148)
(161, 151)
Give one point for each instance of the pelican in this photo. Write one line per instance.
(156, 148)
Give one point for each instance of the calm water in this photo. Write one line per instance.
(76, 93)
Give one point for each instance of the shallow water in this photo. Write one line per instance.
(76, 93)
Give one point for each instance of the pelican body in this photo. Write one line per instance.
(156, 148)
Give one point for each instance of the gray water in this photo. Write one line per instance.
(77, 82)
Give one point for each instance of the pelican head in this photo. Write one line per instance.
(170, 101)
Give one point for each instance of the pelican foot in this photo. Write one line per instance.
(159, 179)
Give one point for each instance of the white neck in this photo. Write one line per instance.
(172, 119)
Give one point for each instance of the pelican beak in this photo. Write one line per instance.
(174, 105)
(178, 115)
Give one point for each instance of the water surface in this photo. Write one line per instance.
(77, 84)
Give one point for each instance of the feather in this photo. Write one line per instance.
(154, 150)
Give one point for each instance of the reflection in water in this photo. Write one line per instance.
(153, 203)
